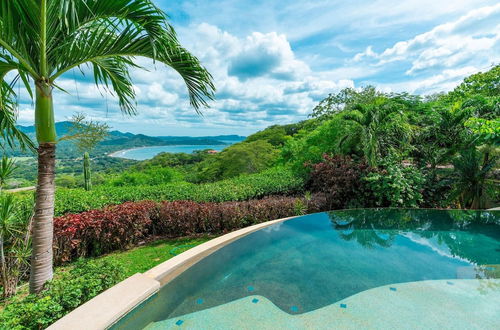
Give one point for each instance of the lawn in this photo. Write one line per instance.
(146, 257)
(137, 260)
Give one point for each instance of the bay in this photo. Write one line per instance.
(144, 153)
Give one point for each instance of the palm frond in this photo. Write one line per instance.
(109, 34)
(9, 132)
(20, 32)
(114, 71)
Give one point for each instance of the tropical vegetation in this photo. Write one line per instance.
(360, 148)
(40, 46)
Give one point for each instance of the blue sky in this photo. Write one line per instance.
(272, 61)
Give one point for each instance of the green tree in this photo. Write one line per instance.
(472, 184)
(276, 135)
(88, 134)
(42, 40)
(377, 129)
(344, 100)
(241, 158)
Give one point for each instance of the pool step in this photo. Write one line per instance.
(455, 303)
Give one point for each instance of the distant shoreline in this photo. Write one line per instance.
(115, 153)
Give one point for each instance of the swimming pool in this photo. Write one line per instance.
(352, 268)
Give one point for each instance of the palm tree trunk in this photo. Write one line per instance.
(41, 256)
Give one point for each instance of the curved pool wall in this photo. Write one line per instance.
(104, 310)
(351, 266)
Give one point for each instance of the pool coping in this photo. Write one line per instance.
(107, 308)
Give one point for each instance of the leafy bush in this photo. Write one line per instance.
(182, 218)
(99, 231)
(96, 232)
(270, 182)
(151, 176)
(66, 292)
(395, 186)
(437, 188)
(15, 242)
(339, 178)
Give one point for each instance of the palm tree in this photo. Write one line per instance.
(376, 128)
(471, 181)
(41, 40)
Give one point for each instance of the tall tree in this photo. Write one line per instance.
(377, 128)
(40, 40)
(87, 134)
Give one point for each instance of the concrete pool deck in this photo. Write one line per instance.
(435, 304)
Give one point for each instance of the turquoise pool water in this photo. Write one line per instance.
(314, 261)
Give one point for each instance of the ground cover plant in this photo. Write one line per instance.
(76, 283)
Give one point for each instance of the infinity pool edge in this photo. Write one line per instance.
(107, 308)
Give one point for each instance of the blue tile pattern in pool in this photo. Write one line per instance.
(318, 260)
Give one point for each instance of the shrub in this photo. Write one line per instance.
(15, 242)
(66, 292)
(99, 231)
(339, 179)
(395, 186)
(270, 182)
(182, 218)
(96, 232)
(151, 176)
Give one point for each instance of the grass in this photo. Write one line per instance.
(146, 257)
(137, 260)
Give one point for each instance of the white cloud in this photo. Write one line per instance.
(444, 54)
(275, 68)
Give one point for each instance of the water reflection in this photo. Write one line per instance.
(455, 230)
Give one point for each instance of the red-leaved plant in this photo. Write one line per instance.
(95, 232)
(338, 181)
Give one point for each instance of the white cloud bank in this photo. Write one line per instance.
(261, 80)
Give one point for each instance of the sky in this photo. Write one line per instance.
(274, 60)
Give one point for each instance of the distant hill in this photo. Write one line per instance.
(117, 140)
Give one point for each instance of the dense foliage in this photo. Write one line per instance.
(411, 142)
(95, 232)
(241, 158)
(269, 182)
(340, 180)
(15, 242)
(85, 280)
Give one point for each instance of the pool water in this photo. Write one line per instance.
(310, 262)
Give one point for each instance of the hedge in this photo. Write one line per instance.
(97, 232)
(271, 182)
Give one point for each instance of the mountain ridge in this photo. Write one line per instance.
(117, 140)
